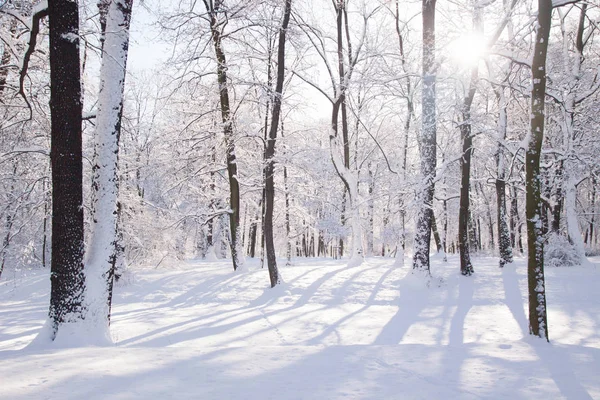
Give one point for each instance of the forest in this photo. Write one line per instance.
(454, 141)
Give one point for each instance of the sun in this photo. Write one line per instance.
(467, 49)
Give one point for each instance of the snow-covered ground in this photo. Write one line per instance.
(200, 331)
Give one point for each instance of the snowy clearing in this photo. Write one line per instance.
(200, 331)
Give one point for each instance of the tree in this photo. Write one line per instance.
(347, 57)
(504, 238)
(538, 321)
(270, 149)
(217, 13)
(67, 275)
(427, 142)
(572, 86)
(101, 255)
(466, 268)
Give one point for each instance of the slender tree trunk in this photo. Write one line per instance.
(571, 216)
(254, 229)
(67, 275)
(436, 234)
(45, 224)
(558, 196)
(505, 242)
(593, 209)
(572, 69)
(466, 267)
(212, 224)
(427, 142)
(270, 149)
(214, 11)
(286, 190)
(342, 164)
(371, 212)
(538, 322)
(401, 246)
(342, 221)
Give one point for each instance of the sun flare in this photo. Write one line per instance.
(467, 49)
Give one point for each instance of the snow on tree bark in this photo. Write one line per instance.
(572, 71)
(538, 321)
(341, 164)
(101, 255)
(427, 142)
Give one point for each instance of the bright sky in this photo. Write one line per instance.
(145, 49)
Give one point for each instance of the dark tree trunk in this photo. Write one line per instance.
(466, 268)
(270, 149)
(558, 195)
(427, 141)
(214, 11)
(514, 216)
(538, 322)
(253, 230)
(67, 277)
(505, 239)
(407, 124)
(436, 233)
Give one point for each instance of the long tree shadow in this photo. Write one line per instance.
(466, 288)
(199, 327)
(334, 327)
(555, 358)
(413, 299)
(454, 359)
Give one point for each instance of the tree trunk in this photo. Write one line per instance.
(571, 216)
(370, 212)
(342, 164)
(436, 234)
(67, 275)
(427, 142)
(538, 322)
(45, 224)
(504, 235)
(214, 10)
(558, 196)
(253, 230)
(593, 209)
(270, 150)
(504, 245)
(466, 268)
(288, 243)
(11, 212)
(103, 247)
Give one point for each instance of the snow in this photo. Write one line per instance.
(329, 332)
